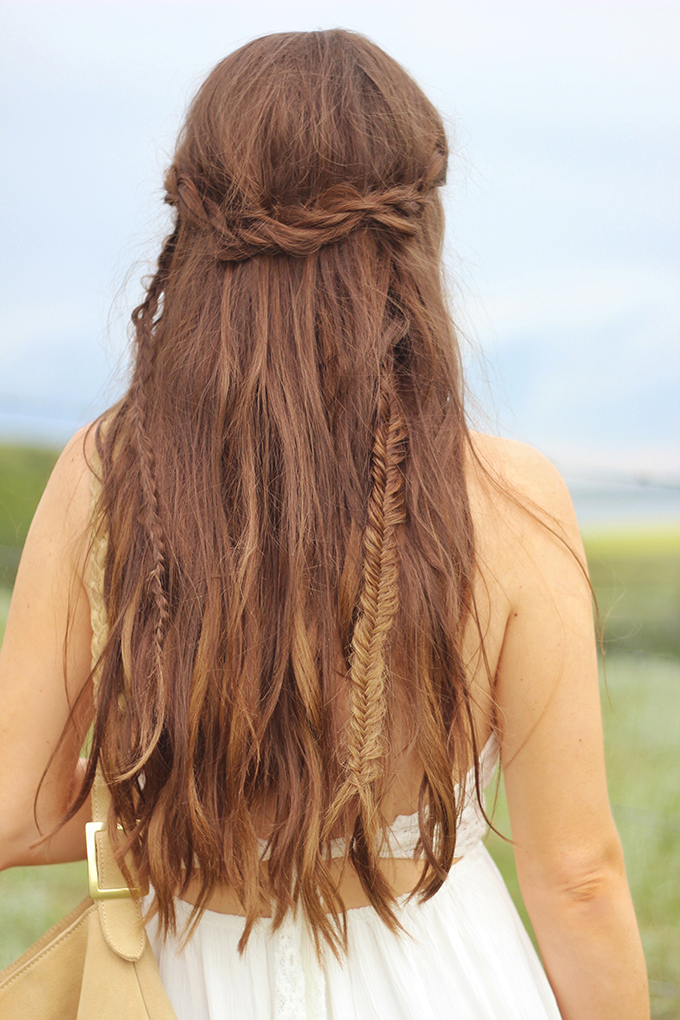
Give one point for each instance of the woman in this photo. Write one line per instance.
(324, 605)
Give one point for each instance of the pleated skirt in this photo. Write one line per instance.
(465, 955)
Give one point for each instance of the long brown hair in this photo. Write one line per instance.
(290, 551)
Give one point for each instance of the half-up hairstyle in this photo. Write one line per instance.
(290, 547)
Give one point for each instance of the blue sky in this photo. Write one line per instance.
(563, 206)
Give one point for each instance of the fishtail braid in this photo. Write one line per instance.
(378, 606)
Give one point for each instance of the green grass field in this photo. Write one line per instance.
(24, 470)
(636, 576)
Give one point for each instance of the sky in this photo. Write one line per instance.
(563, 237)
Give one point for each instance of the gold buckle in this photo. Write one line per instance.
(96, 891)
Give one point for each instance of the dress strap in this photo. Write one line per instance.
(120, 919)
(98, 618)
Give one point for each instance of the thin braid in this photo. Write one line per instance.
(378, 606)
(143, 318)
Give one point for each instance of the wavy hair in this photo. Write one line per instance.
(290, 552)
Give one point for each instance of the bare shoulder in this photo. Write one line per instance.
(516, 482)
(63, 515)
(521, 466)
(73, 470)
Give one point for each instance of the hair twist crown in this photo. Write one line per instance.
(301, 230)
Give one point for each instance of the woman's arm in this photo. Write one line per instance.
(39, 681)
(568, 854)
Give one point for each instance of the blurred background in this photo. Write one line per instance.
(563, 250)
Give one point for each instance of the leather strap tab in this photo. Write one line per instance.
(120, 919)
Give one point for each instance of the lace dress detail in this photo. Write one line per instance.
(299, 980)
(401, 839)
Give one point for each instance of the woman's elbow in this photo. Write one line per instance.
(13, 847)
(575, 880)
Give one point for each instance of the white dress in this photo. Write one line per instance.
(466, 956)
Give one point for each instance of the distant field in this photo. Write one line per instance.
(636, 577)
(24, 471)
